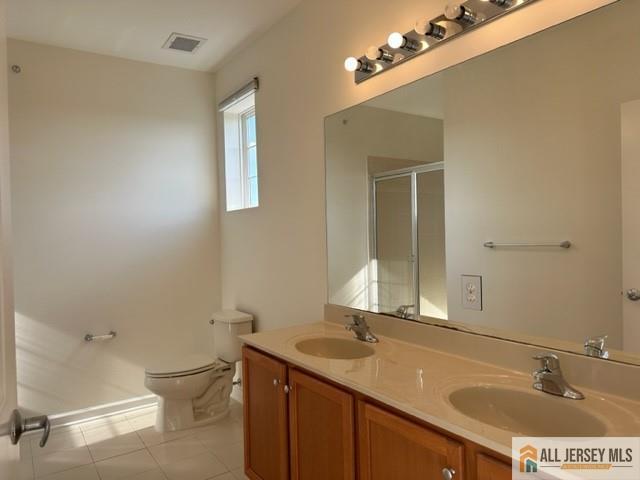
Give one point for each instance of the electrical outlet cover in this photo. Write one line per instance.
(472, 292)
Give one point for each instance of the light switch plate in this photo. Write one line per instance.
(472, 292)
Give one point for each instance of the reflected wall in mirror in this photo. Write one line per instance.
(537, 142)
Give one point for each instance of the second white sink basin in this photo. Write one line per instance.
(336, 348)
(528, 414)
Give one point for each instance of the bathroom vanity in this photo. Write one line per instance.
(317, 408)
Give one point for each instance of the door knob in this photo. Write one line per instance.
(448, 473)
(19, 425)
(633, 294)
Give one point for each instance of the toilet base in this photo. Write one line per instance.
(176, 415)
(211, 405)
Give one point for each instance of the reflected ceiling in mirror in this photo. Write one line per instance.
(532, 145)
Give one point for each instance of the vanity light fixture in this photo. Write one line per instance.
(459, 17)
(400, 42)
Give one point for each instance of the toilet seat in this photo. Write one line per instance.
(187, 365)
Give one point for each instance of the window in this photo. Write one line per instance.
(241, 151)
(250, 155)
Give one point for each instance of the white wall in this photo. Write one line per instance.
(273, 264)
(116, 221)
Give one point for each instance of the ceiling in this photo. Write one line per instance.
(425, 98)
(137, 29)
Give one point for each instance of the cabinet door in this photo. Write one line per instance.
(321, 430)
(265, 417)
(391, 447)
(491, 469)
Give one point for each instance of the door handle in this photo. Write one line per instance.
(633, 294)
(19, 425)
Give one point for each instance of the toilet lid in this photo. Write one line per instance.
(184, 365)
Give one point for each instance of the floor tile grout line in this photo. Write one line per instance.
(90, 454)
(147, 448)
(94, 462)
(206, 451)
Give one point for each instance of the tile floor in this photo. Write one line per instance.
(127, 447)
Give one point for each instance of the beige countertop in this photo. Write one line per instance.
(418, 381)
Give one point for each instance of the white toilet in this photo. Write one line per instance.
(194, 390)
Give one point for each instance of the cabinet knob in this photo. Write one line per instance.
(287, 389)
(276, 382)
(448, 473)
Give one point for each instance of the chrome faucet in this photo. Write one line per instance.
(403, 311)
(595, 347)
(549, 378)
(360, 328)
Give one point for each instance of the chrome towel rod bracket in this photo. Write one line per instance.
(564, 244)
(90, 337)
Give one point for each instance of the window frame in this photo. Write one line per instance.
(237, 149)
(245, 146)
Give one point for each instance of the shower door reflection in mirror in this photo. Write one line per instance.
(393, 262)
(407, 232)
(528, 146)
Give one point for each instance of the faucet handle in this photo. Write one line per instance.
(595, 346)
(549, 361)
(597, 342)
(357, 318)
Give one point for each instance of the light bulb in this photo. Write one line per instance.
(373, 53)
(424, 26)
(455, 11)
(351, 64)
(396, 40)
(379, 54)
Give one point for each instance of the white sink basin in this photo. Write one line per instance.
(335, 348)
(528, 414)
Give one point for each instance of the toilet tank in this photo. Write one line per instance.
(227, 325)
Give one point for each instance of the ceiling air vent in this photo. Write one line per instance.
(183, 43)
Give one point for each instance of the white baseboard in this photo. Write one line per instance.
(101, 411)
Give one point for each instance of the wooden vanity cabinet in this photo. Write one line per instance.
(488, 468)
(300, 427)
(321, 430)
(296, 426)
(392, 447)
(266, 446)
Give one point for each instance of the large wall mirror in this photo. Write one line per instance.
(500, 196)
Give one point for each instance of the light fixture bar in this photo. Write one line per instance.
(459, 18)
